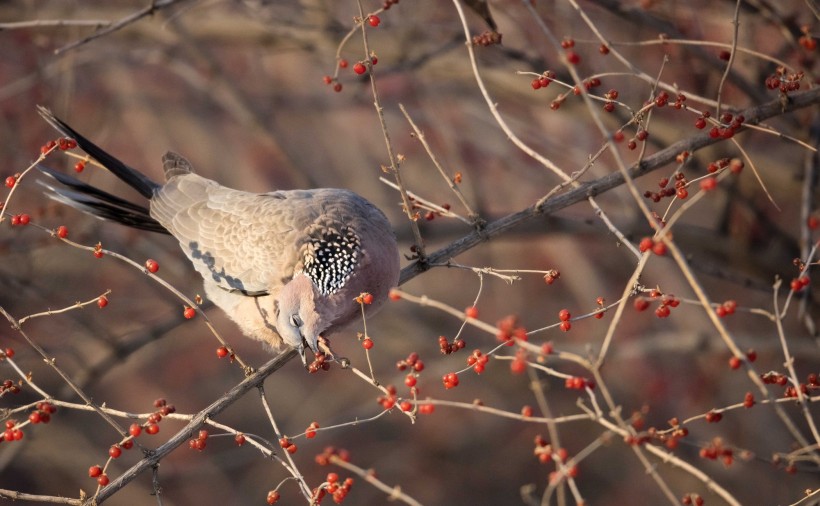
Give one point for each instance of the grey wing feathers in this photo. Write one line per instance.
(239, 240)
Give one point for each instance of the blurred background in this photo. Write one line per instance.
(237, 87)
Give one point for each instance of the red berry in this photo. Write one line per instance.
(273, 497)
(115, 451)
(367, 298)
(374, 21)
(359, 68)
(25, 219)
(734, 363)
(327, 79)
(189, 312)
(410, 380)
(343, 63)
(526, 411)
(222, 352)
(573, 58)
(337, 87)
(708, 184)
(662, 311)
(471, 312)
(659, 249)
(239, 439)
(103, 480)
(11, 181)
(565, 326)
(152, 428)
(536, 84)
(135, 429)
(62, 232)
(646, 244)
(406, 406)
(151, 265)
(367, 343)
(9, 352)
(79, 166)
(94, 471)
(700, 123)
(102, 301)
(564, 315)
(641, 304)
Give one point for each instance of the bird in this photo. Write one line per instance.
(286, 266)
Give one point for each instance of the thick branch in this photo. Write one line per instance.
(753, 115)
(252, 381)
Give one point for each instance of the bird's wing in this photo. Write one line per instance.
(239, 240)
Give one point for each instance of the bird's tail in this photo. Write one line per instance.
(134, 178)
(92, 200)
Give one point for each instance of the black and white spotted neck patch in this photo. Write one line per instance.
(331, 258)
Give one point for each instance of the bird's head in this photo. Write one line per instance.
(299, 322)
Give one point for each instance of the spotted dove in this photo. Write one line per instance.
(286, 266)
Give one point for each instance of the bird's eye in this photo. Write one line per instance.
(295, 320)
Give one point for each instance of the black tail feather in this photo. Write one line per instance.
(99, 203)
(135, 179)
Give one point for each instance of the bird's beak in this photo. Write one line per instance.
(301, 350)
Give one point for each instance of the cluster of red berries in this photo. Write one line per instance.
(564, 315)
(20, 219)
(8, 386)
(319, 363)
(388, 400)
(717, 450)
(713, 416)
(543, 81)
(478, 361)
(199, 442)
(610, 97)
(726, 309)
(748, 400)
(63, 144)
(543, 451)
(692, 499)
(337, 490)
(488, 38)
(164, 409)
(668, 301)
(310, 432)
(42, 413)
(671, 437)
(431, 215)
(97, 472)
(551, 276)
(578, 383)
(806, 388)
(450, 347)
(784, 81)
(728, 126)
(735, 165)
(412, 362)
(509, 330)
(323, 458)
(572, 57)
(518, 365)
(678, 191)
(735, 361)
(287, 445)
(798, 284)
(657, 247)
(450, 380)
(12, 432)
